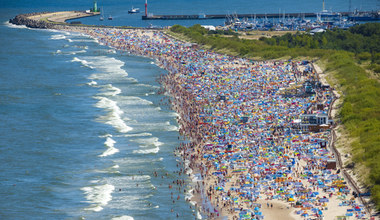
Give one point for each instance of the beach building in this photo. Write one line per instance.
(313, 122)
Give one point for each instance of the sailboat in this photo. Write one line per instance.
(101, 15)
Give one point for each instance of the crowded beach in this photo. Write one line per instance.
(256, 133)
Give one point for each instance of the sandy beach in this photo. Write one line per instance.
(248, 152)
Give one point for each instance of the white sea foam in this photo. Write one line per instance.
(189, 194)
(138, 135)
(110, 90)
(199, 216)
(170, 127)
(8, 24)
(129, 195)
(83, 62)
(106, 135)
(76, 52)
(149, 86)
(166, 126)
(109, 143)
(124, 217)
(98, 196)
(116, 166)
(134, 100)
(113, 118)
(92, 83)
(147, 151)
(58, 37)
(84, 40)
(173, 114)
(69, 40)
(146, 142)
(72, 53)
(108, 67)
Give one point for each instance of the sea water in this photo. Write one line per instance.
(83, 129)
(83, 126)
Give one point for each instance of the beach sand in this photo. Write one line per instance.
(243, 168)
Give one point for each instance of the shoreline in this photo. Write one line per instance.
(192, 131)
(194, 127)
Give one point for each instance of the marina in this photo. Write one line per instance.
(354, 16)
(223, 16)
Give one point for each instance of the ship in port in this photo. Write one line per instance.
(364, 16)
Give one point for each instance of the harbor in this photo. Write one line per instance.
(224, 16)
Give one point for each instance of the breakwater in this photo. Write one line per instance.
(24, 19)
(48, 20)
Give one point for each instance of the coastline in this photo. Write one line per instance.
(194, 128)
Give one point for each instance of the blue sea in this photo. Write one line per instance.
(83, 127)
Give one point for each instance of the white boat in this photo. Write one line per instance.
(133, 10)
(110, 17)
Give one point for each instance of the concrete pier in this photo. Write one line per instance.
(61, 16)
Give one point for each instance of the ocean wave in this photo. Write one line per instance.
(189, 194)
(92, 83)
(113, 118)
(199, 216)
(108, 67)
(58, 37)
(138, 135)
(149, 86)
(10, 25)
(111, 90)
(134, 100)
(84, 40)
(109, 143)
(146, 142)
(147, 151)
(76, 52)
(124, 217)
(83, 62)
(170, 127)
(166, 126)
(98, 196)
(71, 53)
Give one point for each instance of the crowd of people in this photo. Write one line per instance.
(240, 119)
